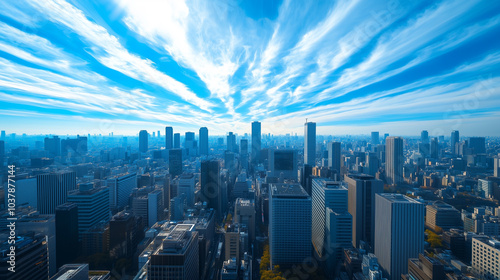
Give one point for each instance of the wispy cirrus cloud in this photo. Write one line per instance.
(220, 64)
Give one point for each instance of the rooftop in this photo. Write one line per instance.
(398, 198)
(294, 190)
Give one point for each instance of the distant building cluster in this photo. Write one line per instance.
(166, 205)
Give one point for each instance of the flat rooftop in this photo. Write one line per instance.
(294, 190)
(398, 198)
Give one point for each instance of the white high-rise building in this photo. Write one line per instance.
(399, 232)
(394, 160)
(120, 188)
(289, 224)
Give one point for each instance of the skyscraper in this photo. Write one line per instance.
(283, 162)
(177, 140)
(169, 137)
(375, 138)
(290, 217)
(52, 145)
(325, 194)
(203, 141)
(66, 233)
(434, 148)
(362, 190)
(455, 138)
(394, 160)
(52, 190)
(175, 162)
(231, 142)
(210, 184)
(2, 152)
(143, 141)
(256, 143)
(310, 143)
(334, 157)
(120, 188)
(93, 205)
(244, 154)
(496, 167)
(190, 144)
(399, 234)
(424, 137)
(371, 164)
(477, 144)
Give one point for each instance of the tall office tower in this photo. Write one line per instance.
(243, 147)
(424, 137)
(375, 138)
(31, 258)
(120, 188)
(394, 160)
(371, 164)
(52, 145)
(442, 216)
(478, 145)
(190, 144)
(256, 143)
(399, 234)
(231, 142)
(434, 148)
(169, 137)
(229, 162)
(46, 225)
(310, 143)
(66, 233)
(154, 134)
(325, 194)
(485, 188)
(338, 229)
(283, 162)
(93, 205)
(155, 207)
(2, 137)
(143, 141)
(244, 214)
(186, 186)
(362, 190)
(334, 157)
(175, 162)
(2, 152)
(485, 258)
(385, 136)
(52, 190)
(210, 184)
(177, 257)
(455, 138)
(290, 217)
(177, 140)
(203, 141)
(496, 167)
(244, 154)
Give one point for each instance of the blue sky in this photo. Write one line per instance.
(352, 66)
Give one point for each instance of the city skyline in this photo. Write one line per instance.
(354, 67)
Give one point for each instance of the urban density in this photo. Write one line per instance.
(249, 139)
(160, 205)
